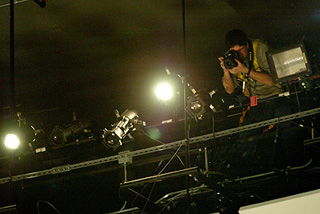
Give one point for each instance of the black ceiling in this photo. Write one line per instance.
(92, 57)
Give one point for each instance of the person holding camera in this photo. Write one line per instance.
(249, 70)
(246, 70)
(245, 67)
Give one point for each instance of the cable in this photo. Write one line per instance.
(46, 202)
(158, 141)
(153, 184)
(146, 134)
(170, 159)
(297, 98)
(148, 199)
(147, 184)
(124, 206)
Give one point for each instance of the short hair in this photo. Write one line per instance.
(235, 37)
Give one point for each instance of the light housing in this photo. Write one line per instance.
(196, 107)
(68, 134)
(18, 136)
(113, 137)
(289, 63)
(199, 104)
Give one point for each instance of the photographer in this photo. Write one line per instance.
(246, 70)
(252, 72)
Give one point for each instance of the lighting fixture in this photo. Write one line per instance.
(289, 63)
(113, 137)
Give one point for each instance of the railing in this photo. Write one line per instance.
(121, 158)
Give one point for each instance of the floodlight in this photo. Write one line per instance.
(164, 91)
(11, 141)
(19, 135)
(289, 63)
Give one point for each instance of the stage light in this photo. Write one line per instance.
(199, 103)
(164, 92)
(19, 135)
(113, 137)
(195, 107)
(170, 87)
(69, 133)
(12, 141)
(289, 63)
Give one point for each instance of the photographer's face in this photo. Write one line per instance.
(242, 50)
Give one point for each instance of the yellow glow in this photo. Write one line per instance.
(11, 141)
(164, 92)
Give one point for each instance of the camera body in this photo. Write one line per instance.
(229, 59)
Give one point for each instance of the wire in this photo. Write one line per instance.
(154, 183)
(304, 126)
(158, 141)
(297, 98)
(46, 202)
(145, 205)
(147, 184)
(170, 159)
(146, 134)
(124, 206)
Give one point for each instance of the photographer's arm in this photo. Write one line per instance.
(227, 82)
(261, 77)
(227, 79)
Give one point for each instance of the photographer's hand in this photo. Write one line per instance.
(226, 79)
(261, 77)
(240, 68)
(221, 59)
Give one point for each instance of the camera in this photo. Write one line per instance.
(229, 59)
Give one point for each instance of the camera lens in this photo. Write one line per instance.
(229, 59)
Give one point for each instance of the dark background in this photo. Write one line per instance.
(93, 57)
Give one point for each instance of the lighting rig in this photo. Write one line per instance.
(198, 103)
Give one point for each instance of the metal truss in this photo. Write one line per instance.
(123, 157)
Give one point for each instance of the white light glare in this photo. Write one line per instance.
(11, 141)
(164, 92)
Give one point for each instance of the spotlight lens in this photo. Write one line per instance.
(195, 106)
(12, 141)
(164, 92)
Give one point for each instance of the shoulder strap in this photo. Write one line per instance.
(255, 61)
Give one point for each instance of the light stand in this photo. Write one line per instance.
(12, 77)
(186, 126)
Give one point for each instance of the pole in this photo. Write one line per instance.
(186, 125)
(12, 77)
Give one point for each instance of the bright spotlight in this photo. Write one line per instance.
(11, 141)
(164, 92)
(18, 135)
